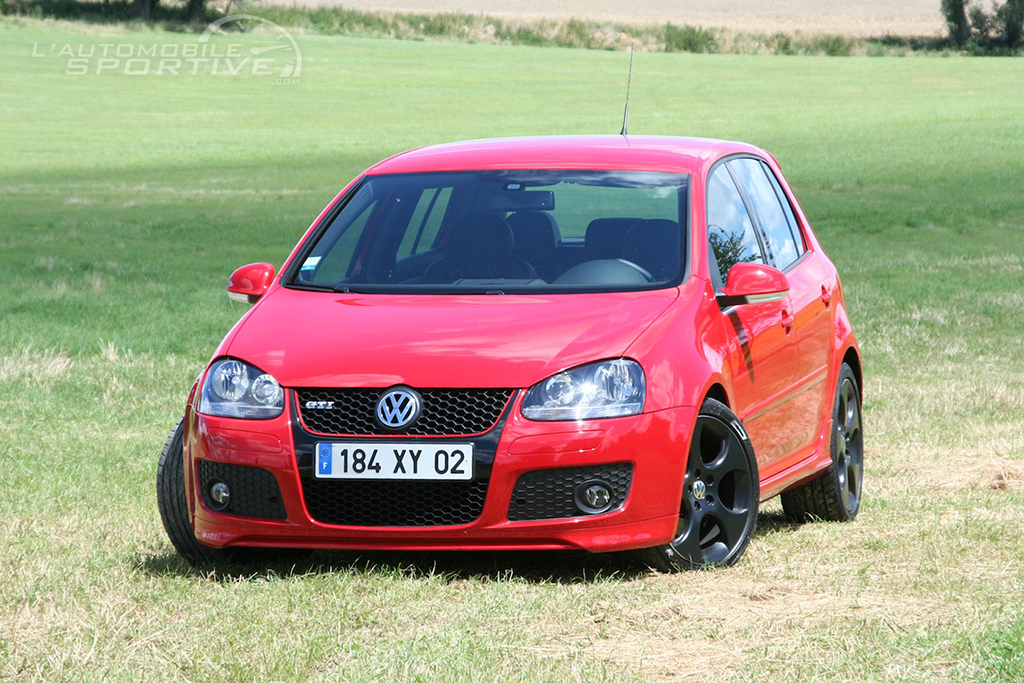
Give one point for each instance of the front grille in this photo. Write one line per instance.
(445, 412)
(551, 493)
(394, 503)
(254, 490)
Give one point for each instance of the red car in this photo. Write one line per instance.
(608, 343)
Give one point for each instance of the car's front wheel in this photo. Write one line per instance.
(170, 498)
(835, 495)
(718, 511)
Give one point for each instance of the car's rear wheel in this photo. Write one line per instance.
(170, 498)
(718, 511)
(835, 495)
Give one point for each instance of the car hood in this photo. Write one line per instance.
(319, 339)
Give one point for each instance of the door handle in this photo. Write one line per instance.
(787, 319)
(826, 295)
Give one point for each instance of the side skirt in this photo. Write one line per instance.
(806, 469)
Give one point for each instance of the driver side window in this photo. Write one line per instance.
(731, 236)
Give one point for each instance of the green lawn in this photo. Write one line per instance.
(126, 201)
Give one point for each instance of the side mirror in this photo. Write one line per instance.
(753, 283)
(249, 283)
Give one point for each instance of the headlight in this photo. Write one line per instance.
(236, 389)
(611, 388)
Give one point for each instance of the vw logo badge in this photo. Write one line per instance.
(398, 408)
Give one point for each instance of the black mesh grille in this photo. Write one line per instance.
(254, 490)
(445, 412)
(551, 494)
(395, 503)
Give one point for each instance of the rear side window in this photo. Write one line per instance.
(798, 236)
(731, 236)
(783, 243)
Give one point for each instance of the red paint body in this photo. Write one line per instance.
(775, 364)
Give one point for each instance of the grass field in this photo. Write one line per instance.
(126, 201)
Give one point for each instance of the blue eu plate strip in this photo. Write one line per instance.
(323, 458)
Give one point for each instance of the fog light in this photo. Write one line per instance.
(594, 497)
(220, 495)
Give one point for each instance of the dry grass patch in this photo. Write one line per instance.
(35, 367)
(970, 472)
(718, 624)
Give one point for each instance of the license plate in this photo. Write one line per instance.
(394, 461)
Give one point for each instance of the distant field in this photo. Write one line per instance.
(126, 201)
(862, 19)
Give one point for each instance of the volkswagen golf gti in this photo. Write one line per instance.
(609, 343)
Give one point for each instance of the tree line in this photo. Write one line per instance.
(143, 9)
(969, 23)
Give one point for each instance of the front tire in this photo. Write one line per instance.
(170, 498)
(718, 511)
(835, 495)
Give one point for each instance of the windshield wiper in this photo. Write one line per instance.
(309, 287)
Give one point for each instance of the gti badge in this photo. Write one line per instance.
(320, 405)
(398, 408)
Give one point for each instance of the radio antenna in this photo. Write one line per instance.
(629, 80)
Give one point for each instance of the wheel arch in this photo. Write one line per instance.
(717, 392)
(852, 358)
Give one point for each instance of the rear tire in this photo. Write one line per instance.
(718, 511)
(835, 495)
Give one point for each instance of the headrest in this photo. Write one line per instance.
(478, 246)
(534, 231)
(655, 245)
(605, 236)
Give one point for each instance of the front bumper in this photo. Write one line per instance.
(647, 453)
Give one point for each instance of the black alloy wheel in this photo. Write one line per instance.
(718, 511)
(835, 496)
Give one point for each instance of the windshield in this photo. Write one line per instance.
(502, 232)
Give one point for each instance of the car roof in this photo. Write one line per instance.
(566, 152)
